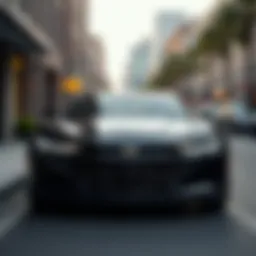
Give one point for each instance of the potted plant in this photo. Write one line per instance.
(25, 127)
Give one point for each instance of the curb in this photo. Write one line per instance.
(242, 217)
(13, 186)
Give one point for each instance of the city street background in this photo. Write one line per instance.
(55, 51)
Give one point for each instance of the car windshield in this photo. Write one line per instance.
(129, 106)
(133, 106)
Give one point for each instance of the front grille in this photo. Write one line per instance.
(110, 176)
(112, 181)
(136, 153)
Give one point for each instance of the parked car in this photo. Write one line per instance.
(227, 115)
(225, 111)
(126, 149)
(207, 111)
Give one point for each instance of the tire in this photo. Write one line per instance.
(220, 200)
(37, 204)
(37, 207)
(217, 204)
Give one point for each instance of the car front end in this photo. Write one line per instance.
(139, 165)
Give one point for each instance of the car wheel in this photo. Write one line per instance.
(217, 203)
(37, 204)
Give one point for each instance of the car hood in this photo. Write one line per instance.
(148, 130)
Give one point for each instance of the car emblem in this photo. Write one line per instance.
(130, 152)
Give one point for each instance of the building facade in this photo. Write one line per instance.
(86, 51)
(47, 70)
(39, 49)
(24, 47)
(180, 40)
(77, 11)
(138, 67)
(96, 73)
(75, 23)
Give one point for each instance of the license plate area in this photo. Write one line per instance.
(129, 179)
(199, 189)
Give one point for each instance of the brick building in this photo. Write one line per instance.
(179, 41)
(96, 73)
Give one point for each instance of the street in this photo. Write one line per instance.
(93, 113)
(129, 234)
(212, 234)
(132, 234)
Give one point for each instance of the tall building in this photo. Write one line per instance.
(95, 73)
(86, 50)
(181, 39)
(98, 52)
(78, 11)
(165, 24)
(138, 66)
(75, 30)
(41, 44)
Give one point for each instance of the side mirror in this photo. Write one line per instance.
(84, 109)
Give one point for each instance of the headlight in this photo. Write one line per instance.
(70, 129)
(195, 147)
(48, 145)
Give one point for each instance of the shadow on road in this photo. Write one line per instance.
(135, 232)
(184, 212)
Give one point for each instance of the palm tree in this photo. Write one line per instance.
(174, 68)
(231, 23)
(234, 21)
(215, 41)
(246, 20)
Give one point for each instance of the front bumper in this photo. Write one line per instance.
(70, 180)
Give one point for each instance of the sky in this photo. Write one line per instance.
(122, 23)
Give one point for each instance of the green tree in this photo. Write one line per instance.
(217, 38)
(233, 22)
(174, 69)
(246, 24)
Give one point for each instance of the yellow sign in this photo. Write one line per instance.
(72, 85)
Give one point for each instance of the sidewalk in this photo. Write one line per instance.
(13, 164)
(14, 201)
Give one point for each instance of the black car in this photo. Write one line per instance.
(126, 149)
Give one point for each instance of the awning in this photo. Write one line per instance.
(16, 28)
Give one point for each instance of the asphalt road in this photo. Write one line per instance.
(131, 235)
(136, 235)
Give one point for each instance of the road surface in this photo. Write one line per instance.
(127, 235)
(131, 235)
